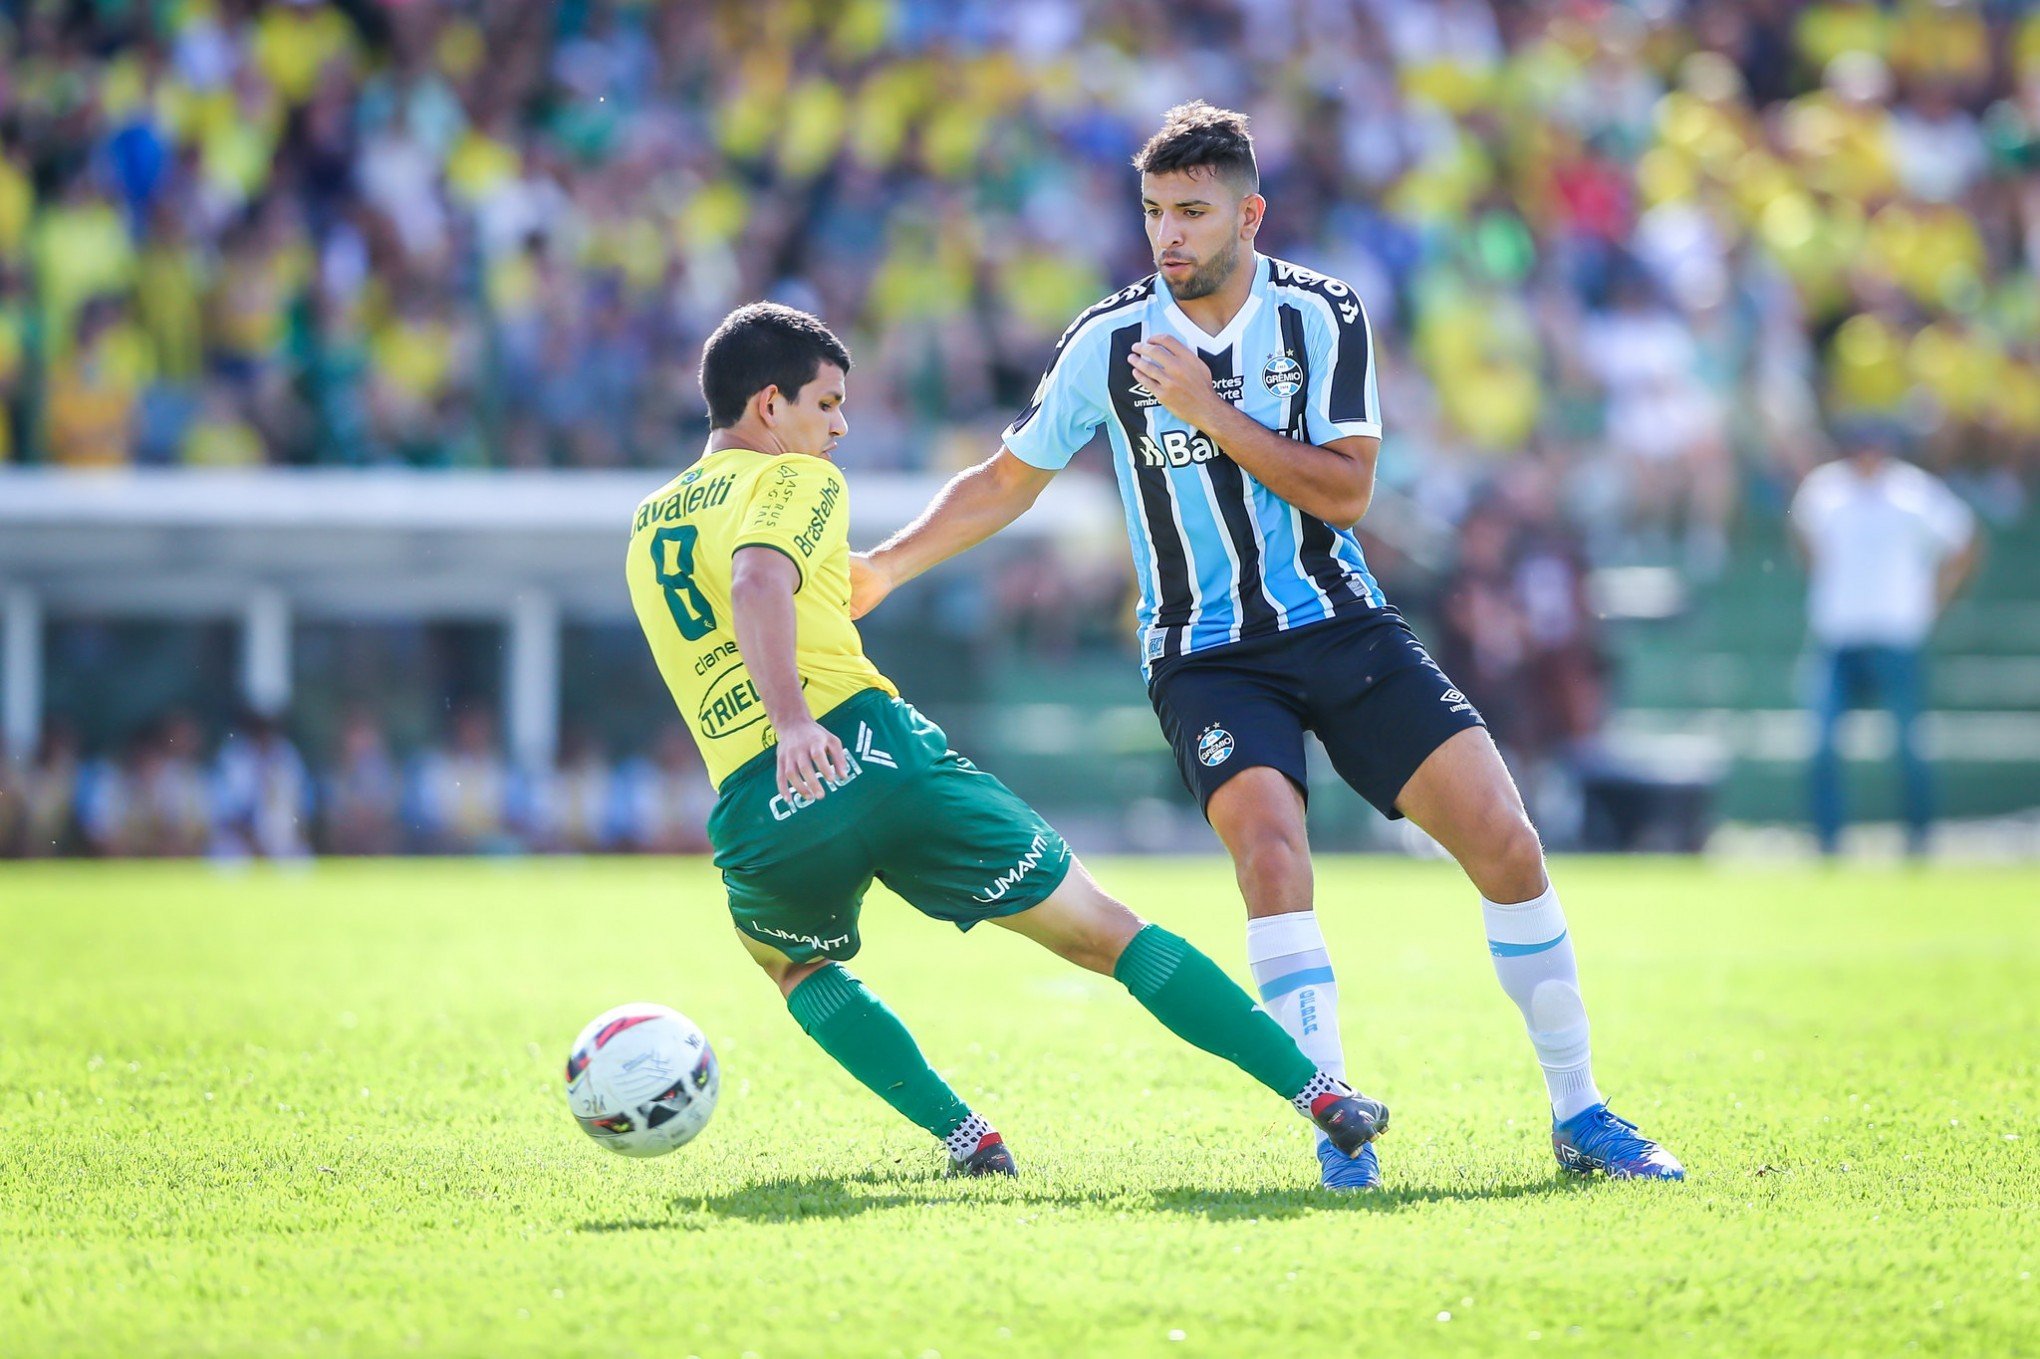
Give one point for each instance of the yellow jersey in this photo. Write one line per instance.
(682, 545)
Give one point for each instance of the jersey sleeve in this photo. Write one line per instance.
(801, 508)
(1809, 504)
(1949, 519)
(1344, 398)
(1065, 409)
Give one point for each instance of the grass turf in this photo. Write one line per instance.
(270, 1113)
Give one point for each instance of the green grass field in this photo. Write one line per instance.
(267, 1113)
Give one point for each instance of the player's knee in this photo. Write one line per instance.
(1273, 868)
(1272, 851)
(792, 977)
(1512, 866)
(786, 974)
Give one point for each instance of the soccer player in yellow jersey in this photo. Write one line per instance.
(739, 570)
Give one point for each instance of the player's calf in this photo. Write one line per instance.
(867, 1040)
(1194, 998)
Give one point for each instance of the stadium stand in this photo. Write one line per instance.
(1624, 261)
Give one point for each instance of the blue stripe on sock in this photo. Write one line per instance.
(1282, 986)
(1501, 950)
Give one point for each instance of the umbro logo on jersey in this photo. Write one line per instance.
(1456, 701)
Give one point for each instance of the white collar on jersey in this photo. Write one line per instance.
(1230, 336)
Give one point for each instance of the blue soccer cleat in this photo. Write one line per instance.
(1595, 1139)
(1343, 1172)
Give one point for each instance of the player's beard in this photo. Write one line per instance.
(1209, 277)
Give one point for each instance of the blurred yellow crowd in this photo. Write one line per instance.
(1671, 237)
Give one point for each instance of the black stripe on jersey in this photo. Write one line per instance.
(1316, 545)
(1173, 600)
(1125, 297)
(1257, 615)
(1352, 347)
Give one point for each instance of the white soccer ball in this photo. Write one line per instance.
(642, 1079)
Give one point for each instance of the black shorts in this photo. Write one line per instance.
(1364, 685)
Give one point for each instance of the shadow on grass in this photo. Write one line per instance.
(802, 1198)
(1236, 1204)
(785, 1199)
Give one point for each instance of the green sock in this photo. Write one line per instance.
(1200, 1004)
(868, 1041)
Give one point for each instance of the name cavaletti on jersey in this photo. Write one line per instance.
(684, 542)
(701, 495)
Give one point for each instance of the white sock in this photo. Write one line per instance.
(1533, 957)
(1324, 1083)
(965, 1139)
(1293, 973)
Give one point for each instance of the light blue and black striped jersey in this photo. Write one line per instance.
(1220, 557)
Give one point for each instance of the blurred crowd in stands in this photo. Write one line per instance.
(1651, 241)
(165, 794)
(1626, 261)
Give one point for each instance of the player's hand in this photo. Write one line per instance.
(1178, 378)
(808, 753)
(870, 583)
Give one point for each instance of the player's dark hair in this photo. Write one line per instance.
(1196, 136)
(763, 345)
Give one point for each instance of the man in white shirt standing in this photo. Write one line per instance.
(1887, 546)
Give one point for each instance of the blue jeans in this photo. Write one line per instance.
(1889, 676)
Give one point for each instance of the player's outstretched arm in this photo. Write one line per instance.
(762, 584)
(975, 504)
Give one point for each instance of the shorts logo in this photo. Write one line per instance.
(1456, 701)
(867, 751)
(1282, 375)
(861, 753)
(813, 941)
(783, 807)
(1214, 746)
(1007, 881)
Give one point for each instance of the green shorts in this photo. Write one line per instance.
(952, 840)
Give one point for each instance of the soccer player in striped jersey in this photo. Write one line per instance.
(1239, 396)
(739, 571)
